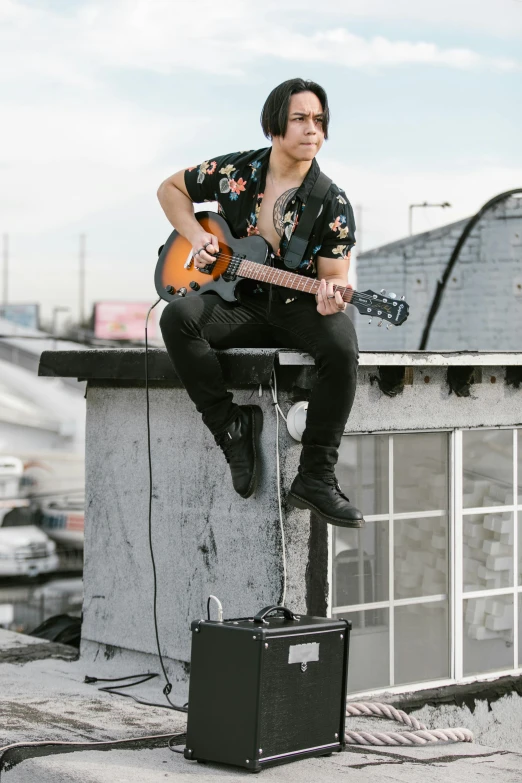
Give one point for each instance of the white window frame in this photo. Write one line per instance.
(456, 595)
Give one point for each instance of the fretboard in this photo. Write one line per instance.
(270, 274)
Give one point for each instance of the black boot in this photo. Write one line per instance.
(240, 444)
(315, 487)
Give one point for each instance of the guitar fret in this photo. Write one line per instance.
(288, 279)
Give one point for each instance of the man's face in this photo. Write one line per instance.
(304, 133)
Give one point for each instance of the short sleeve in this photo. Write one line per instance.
(339, 234)
(203, 181)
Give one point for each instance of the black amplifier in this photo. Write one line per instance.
(268, 689)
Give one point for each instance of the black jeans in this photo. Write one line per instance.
(193, 326)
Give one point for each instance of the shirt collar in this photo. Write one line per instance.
(305, 187)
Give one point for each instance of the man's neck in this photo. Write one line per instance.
(287, 171)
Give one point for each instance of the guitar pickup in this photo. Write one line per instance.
(230, 273)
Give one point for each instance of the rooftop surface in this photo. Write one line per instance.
(44, 698)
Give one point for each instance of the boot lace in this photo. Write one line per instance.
(331, 479)
(225, 442)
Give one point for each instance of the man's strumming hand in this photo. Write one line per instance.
(203, 255)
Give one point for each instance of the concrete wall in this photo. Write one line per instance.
(206, 538)
(482, 305)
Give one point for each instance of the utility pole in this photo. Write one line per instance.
(424, 204)
(81, 309)
(5, 255)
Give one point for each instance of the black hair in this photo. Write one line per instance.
(274, 114)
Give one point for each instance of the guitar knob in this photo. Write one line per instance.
(170, 289)
(195, 286)
(182, 292)
(392, 295)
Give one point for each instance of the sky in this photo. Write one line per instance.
(101, 101)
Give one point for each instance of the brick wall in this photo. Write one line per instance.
(481, 308)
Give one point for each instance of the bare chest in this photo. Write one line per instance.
(275, 206)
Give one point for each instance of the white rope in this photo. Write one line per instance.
(419, 736)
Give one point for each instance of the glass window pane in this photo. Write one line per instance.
(362, 471)
(487, 461)
(488, 634)
(520, 629)
(421, 642)
(519, 548)
(487, 551)
(369, 660)
(519, 449)
(360, 566)
(420, 466)
(421, 556)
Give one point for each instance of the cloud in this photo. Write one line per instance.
(500, 18)
(340, 47)
(162, 36)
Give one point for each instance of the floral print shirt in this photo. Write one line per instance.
(237, 182)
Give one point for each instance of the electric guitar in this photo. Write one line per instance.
(251, 258)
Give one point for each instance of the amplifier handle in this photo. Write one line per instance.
(260, 616)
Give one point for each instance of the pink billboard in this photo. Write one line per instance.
(123, 321)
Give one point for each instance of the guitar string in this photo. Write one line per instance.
(356, 296)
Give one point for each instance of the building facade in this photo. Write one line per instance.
(481, 308)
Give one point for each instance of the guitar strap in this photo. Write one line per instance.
(301, 236)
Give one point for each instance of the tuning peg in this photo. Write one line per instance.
(383, 291)
(388, 325)
(380, 323)
(403, 298)
(392, 295)
(370, 321)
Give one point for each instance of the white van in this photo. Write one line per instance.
(25, 550)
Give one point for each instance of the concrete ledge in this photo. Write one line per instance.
(418, 358)
(242, 367)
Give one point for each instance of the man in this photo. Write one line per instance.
(264, 192)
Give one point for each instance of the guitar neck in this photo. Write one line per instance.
(270, 274)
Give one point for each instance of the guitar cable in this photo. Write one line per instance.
(168, 687)
(141, 678)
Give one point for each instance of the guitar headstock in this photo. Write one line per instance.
(387, 307)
